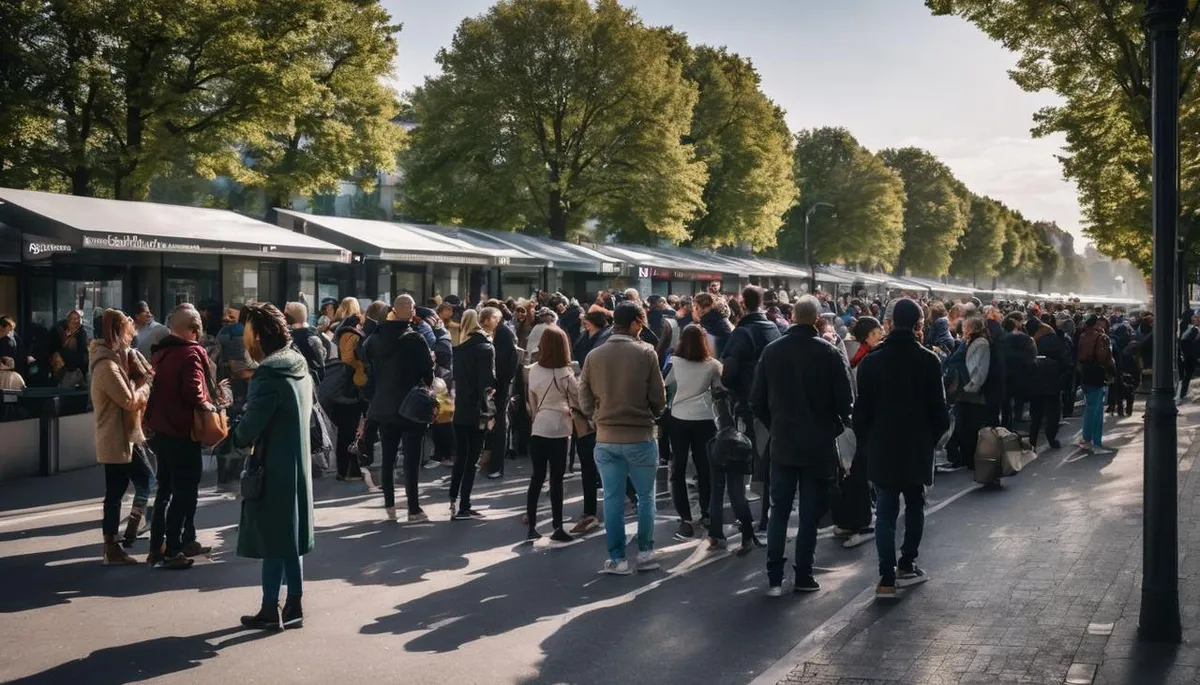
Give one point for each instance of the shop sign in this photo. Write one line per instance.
(609, 268)
(36, 248)
(647, 272)
(128, 241)
(503, 261)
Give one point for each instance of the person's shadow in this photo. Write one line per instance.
(143, 660)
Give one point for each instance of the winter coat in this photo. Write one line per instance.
(940, 338)
(348, 338)
(718, 328)
(979, 370)
(746, 344)
(180, 385)
(1095, 356)
(586, 344)
(443, 355)
(474, 375)
(118, 402)
(399, 359)
(314, 348)
(900, 414)
(571, 321)
(278, 525)
(1053, 362)
(508, 359)
(1020, 363)
(802, 394)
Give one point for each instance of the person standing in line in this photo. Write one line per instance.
(308, 342)
(347, 336)
(118, 401)
(400, 360)
(148, 331)
(802, 394)
(595, 329)
(900, 393)
(277, 526)
(971, 412)
(1189, 352)
(553, 395)
(507, 361)
(621, 389)
(852, 507)
(746, 344)
(1095, 359)
(715, 323)
(1045, 399)
(474, 404)
(442, 430)
(182, 386)
(694, 377)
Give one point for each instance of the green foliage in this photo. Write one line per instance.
(743, 140)
(1093, 53)
(550, 112)
(867, 227)
(119, 92)
(935, 213)
(980, 249)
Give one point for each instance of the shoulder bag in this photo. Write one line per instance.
(419, 405)
(254, 476)
(209, 428)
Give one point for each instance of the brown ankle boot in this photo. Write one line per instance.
(131, 528)
(114, 554)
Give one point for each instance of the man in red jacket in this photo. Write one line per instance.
(181, 385)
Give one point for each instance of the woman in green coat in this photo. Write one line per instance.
(277, 526)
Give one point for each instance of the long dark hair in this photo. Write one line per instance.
(693, 344)
(269, 326)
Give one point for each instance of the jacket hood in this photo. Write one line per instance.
(98, 350)
(716, 324)
(171, 342)
(286, 362)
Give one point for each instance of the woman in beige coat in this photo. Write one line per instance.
(118, 401)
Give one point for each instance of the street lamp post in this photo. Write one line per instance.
(812, 273)
(1158, 620)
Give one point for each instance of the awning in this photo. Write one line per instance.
(385, 240)
(667, 262)
(70, 222)
(503, 253)
(554, 254)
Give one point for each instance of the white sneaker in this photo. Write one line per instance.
(616, 568)
(775, 591)
(431, 464)
(647, 561)
(391, 513)
(858, 539)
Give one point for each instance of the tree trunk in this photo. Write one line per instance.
(558, 216)
(81, 181)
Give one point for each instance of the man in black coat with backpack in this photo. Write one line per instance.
(899, 416)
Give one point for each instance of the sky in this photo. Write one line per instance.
(887, 70)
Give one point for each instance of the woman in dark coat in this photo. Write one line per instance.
(474, 408)
(277, 525)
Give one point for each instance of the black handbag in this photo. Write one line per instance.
(254, 477)
(419, 405)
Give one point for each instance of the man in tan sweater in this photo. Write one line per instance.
(621, 389)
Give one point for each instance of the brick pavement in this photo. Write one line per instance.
(1052, 598)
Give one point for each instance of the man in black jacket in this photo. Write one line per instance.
(746, 344)
(399, 359)
(507, 362)
(1020, 363)
(1045, 396)
(312, 345)
(802, 394)
(899, 417)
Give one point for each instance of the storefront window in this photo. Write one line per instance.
(448, 280)
(410, 283)
(90, 298)
(383, 283)
(518, 284)
(191, 278)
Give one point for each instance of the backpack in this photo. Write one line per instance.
(955, 375)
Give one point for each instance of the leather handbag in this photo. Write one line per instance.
(419, 406)
(209, 427)
(254, 477)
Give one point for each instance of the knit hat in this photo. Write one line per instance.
(906, 314)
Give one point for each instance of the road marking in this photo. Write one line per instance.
(813, 641)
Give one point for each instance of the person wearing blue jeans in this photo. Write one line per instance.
(887, 509)
(637, 461)
(1093, 415)
(814, 501)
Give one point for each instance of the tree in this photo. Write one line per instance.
(1093, 54)
(935, 214)
(868, 229)
(127, 90)
(550, 112)
(1047, 258)
(742, 138)
(980, 250)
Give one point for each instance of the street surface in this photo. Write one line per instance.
(467, 602)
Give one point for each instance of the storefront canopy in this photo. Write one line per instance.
(554, 254)
(668, 263)
(503, 252)
(67, 223)
(386, 240)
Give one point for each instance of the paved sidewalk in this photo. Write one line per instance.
(1052, 598)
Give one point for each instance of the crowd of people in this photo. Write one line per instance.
(805, 394)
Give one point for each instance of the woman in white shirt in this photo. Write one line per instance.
(553, 392)
(693, 378)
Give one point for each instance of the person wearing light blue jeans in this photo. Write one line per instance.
(1093, 415)
(639, 462)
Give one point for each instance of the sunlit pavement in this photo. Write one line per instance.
(1019, 573)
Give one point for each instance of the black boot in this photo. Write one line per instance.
(267, 618)
(293, 613)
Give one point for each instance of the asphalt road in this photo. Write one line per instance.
(456, 602)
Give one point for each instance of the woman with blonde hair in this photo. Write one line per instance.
(118, 401)
(348, 333)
